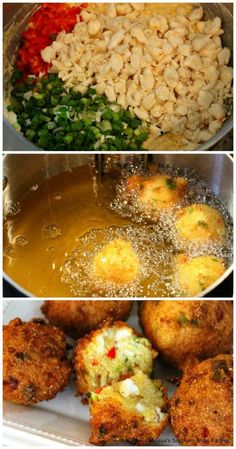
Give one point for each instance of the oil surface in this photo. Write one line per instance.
(53, 232)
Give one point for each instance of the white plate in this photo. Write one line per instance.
(64, 419)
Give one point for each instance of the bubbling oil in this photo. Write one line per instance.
(55, 230)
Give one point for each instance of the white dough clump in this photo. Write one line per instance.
(171, 71)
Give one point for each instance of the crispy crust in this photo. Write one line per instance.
(111, 421)
(202, 408)
(35, 367)
(77, 318)
(181, 329)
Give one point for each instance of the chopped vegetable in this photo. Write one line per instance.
(102, 430)
(112, 353)
(171, 183)
(49, 20)
(58, 119)
(184, 320)
(202, 223)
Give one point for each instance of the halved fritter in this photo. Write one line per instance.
(109, 354)
(133, 410)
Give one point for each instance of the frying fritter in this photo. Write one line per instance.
(108, 354)
(182, 329)
(200, 222)
(196, 274)
(35, 367)
(77, 318)
(156, 193)
(132, 410)
(117, 263)
(201, 410)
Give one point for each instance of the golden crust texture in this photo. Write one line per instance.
(77, 318)
(201, 410)
(194, 328)
(35, 367)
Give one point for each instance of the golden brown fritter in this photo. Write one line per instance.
(201, 410)
(77, 318)
(200, 222)
(116, 262)
(193, 275)
(133, 410)
(35, 367)
(156, 193)
(191, 328)
(109, 354)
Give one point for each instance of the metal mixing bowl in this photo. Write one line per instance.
(16, 16)
(23, 170)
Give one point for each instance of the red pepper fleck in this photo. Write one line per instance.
(98, 390)
(95, 362)
(112, 353)
(205, 432)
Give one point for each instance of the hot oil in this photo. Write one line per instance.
(57, 229)
(52, 218)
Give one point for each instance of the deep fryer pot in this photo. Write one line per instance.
(16, 16)
(21, 171)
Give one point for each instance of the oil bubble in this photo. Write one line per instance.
(13, 208)
(52, 231)
(10, 250)
(51, 249)
(57, 196)
(34, 187)
(21, 240)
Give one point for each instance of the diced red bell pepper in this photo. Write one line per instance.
(112, 353)
(49, 20)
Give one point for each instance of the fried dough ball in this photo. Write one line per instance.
(200, 223)
(182, 329)
(132, 410)
(107, 354)
(35, 367)
(196, 274)
(117, 262)
(201, 410)
(77, 318)
(157, 192)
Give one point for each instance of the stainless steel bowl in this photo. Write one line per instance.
(16, 16)
(23, 170)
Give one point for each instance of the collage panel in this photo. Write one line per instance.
(118, 77)
(118, 212)
(156, 225)
(162, 378)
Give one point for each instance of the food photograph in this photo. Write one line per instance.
(118, 225)
(121, 372)
(118, 76)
